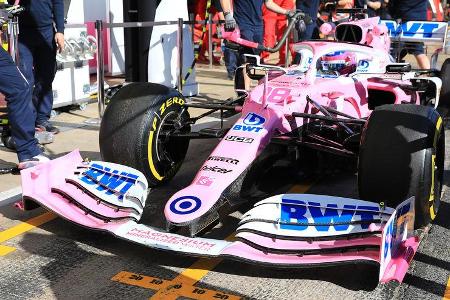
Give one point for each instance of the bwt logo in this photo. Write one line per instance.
(109, 179)
(296, 211)
(363, 64)
(254, 119)
(410, 29)
(252, 122)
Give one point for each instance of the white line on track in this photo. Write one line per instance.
(10, 196)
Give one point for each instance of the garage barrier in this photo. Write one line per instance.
(100, 26)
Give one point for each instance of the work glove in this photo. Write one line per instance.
(291, 13)
(230, 22)
(304, 17)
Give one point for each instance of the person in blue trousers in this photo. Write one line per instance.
(247, 16)
(230, 57)
(17, 92)
(41, 28)
(311, 8)
(412, 10)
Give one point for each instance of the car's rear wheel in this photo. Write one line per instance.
(137, 130)
(402, 155)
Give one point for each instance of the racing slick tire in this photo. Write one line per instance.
(444, 98)
(136, 127)
(402, 155)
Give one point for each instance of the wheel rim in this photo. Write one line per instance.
(167, 149)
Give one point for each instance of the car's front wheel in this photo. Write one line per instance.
(402, 155)
(137, 130)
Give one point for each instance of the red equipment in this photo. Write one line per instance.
(274, 26)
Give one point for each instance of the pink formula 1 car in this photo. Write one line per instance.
(345, 97)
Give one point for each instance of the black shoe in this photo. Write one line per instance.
(47, 126)
(32, 162)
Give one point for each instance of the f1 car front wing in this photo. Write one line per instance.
(289, 230)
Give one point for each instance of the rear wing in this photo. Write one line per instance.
(417, 31)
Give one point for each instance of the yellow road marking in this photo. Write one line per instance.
(22, 228)
(184, 283)
(447, 291)
(146, 282)
(201, 267)
(5, 250)
(182, 288)
(300, 188)
(187, 279)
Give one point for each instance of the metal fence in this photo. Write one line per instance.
(100, 26)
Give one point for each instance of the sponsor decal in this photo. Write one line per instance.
(296, 211)
(389, 238)
(169, 102)
(414, 28)
(224, 159)
(254, 119)
(247, 128)
(215, 169)
(185, 205)
(363, 65)
(239, 139)
(109, 179)
(395, 227)
(205, 181)
(251, 122)
(169, 238)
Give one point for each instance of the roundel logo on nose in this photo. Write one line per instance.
(254, 119)
(363, 64)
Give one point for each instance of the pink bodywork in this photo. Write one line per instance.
(285, 94)
(266, 112)
(39, 183)
(235, 36)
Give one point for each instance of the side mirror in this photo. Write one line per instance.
(398, 68)
(254, 73)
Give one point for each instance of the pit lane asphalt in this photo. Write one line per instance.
(60, 260)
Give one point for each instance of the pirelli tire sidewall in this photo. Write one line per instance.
(402, 155)
(164, 110)
(436, 158)
(129, 125)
